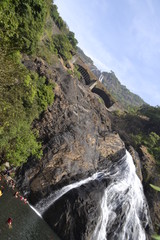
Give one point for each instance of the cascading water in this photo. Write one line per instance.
(45, 203)
(124, 211)
(101, 77)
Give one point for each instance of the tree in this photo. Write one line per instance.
(72, 39)
(22, 22)
(23, 96)
(63, 46)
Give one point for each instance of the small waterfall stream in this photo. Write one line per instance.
(124, 210)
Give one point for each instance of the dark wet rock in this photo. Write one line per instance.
(75, 215)
(76, 135)
(137, 162)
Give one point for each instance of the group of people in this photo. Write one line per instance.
(11, 184)
(17, 195)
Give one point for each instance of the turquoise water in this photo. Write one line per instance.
(27, 225)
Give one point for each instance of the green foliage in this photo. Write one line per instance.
(76, 73)
(44, 93)
(69, 71)
(57, 18)
(72, 39)
(19, 143)
(100, 100)
(138, 139)
(21, 23)
(23, 96)
(126, 98)
(151, 141)
(118, 113)
(153, 113)
(155, 187)
(54, 12)
(63, 46)
(156, 237)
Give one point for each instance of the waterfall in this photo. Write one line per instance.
(35, 210)
(124, 210)
(101, 77)
(44, 204)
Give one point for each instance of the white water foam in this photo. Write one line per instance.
(126, 193)
(124, 210)
(35, 211)
(44, 204)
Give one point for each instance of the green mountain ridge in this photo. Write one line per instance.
(120, 92)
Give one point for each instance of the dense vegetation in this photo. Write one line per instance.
(63, 46)
(27, 27)
(64, 43)
(141, 127)
(57, 18)
(151, 137)
(23, 94)
(22, 23)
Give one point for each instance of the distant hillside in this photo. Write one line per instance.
(84, 58)
(120, 92)
(125, 97)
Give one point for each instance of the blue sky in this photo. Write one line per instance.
(122, 36)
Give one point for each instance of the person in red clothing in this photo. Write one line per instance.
(9, 222)
(21, 198)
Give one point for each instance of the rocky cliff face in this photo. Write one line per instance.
(77, 212)
(146, 166)
(150, 173)
(78, 141)
(76, 135)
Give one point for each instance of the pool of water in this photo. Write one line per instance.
(27, 225)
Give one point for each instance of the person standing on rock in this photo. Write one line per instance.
(9, 222)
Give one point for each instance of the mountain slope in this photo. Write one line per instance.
(120, 92)
(125, 97)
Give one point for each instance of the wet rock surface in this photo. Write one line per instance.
(77, 141)
(77, 212)
(76, 135)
